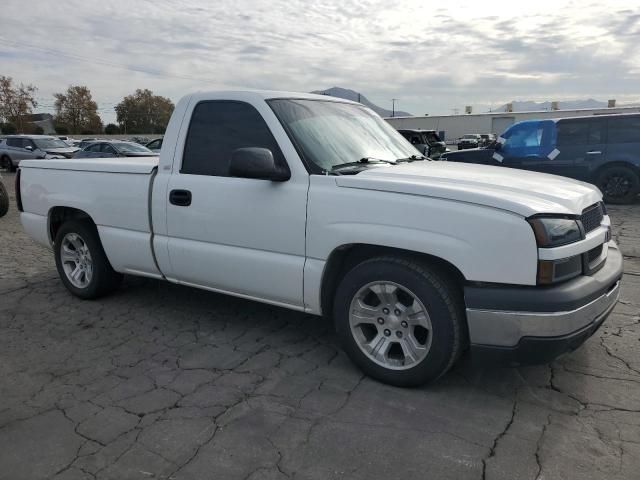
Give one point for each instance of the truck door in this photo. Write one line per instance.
(592, 153)
(243, 236)
(531, 145)
(580, 144)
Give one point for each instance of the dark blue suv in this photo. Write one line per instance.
(603, 150)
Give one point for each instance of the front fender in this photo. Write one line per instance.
(485, 244)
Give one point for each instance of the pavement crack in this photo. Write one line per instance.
(539, 446)
(497, 439)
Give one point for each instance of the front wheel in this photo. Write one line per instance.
(619, 184)
(4, 200)
(82, 264)
(400, 321)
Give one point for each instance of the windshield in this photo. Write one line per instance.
(333, 133)
(131, 147)
(471, 136)
(432, 137)
(48, 143)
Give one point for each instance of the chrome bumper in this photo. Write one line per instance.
(506, 328)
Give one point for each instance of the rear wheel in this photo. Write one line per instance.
(81, 262)
(400, 321)
(4, 200)
(619, 184)
(7, 164)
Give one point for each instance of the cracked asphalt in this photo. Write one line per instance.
(162, 381)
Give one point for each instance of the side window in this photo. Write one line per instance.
(106, 148)
(218, 128)
(14, 142)
(597, 131)
(572, 132)
(624, 130)
(93, 148)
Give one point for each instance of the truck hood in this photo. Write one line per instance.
(519, 191)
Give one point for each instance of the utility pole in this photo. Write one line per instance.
(393, 106)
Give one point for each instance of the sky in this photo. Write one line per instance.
(433, 57)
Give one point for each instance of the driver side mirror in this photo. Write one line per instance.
(255, 162)
(29, 147)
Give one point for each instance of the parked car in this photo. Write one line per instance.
(155, 145)
(86, 141)
(602, 150)
(114, 148)
(139, 140)
(15, 148)
(470, 140)
(427, 142)
(316, 204)
(487, 139)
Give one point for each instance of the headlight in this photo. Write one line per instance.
(554, 232)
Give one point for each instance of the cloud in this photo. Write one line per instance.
(431, 59)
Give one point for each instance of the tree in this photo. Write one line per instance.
(16, 102)
(111, 129)
(61, 129)
(77, 110)
(8, 128)
(144, 112)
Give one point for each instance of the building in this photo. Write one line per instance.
(452, 127)
(42, 120)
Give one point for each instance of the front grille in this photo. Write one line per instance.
(592, 217)
(594, 253)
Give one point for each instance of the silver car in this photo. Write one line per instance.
(15, 148)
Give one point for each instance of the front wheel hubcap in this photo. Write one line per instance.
(404, 337)
(76, 260)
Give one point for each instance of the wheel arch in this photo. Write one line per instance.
(345, 257)
(59, 214)
(614, 163)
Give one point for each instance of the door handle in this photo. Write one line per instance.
(181, 198)
(594, 152)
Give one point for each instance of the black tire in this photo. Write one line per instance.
(619, 184)
(441, 299)
(8, 164)
(104, 278)
(4, 200)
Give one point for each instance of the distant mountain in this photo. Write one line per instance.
(358, 97)
(537, 106)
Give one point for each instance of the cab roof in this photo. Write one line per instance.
(268, 95)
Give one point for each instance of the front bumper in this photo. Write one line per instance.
(528, 325)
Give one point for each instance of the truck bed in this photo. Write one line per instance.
(109, 164)
(113, 192)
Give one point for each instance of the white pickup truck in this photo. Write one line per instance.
(316, 204)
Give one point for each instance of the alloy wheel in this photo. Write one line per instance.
(76, 260)
(390, 325)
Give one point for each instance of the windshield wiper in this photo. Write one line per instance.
(363, 160)
(412, 158)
